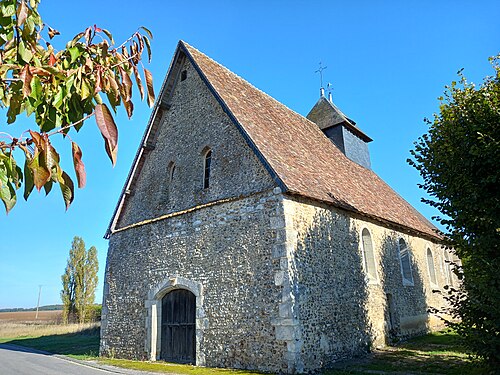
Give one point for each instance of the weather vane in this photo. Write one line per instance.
(320, 71)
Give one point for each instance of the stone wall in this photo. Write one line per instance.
(224, 251)
(194, 123)
(340, 314)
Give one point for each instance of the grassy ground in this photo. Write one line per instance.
(438, 353)
(78, 341)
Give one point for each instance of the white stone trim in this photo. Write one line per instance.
(369, 279)
(406, 282)
(287, 324)
(434, 284)
(153, 318)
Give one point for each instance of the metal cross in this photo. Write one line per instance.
(320, 71)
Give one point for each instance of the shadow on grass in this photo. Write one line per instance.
(82, 344)
(436, 353)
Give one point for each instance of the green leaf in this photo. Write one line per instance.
(75, 53)
(150, 34)
(85, 89)
(48, 187)
(67, 189)
(8, 10)
(36, 89)
(108, 34)
(69, 83)
(59, 98)
(7, 192)
(24, 52)
(28, 181)
(148, 46)
(14, 108)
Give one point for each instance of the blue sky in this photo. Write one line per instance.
(388, 62)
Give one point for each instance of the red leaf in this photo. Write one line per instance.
(26, 77)
(37, 163)
(88, 33)
(81, 176)
(52, 59)
(129, 106)
(127, 84)
(149, 85)
(98, 81)
(108, 129)
(97, 29)
(22, 13)
(138, 81)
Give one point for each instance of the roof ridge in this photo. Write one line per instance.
(248, 83)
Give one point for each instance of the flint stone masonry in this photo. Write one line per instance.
(231, 268)
(194, 123)
(341, 314)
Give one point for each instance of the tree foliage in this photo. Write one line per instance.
(79, 282)
(61, 90)
(459, 162)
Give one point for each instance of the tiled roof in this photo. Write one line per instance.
(302, 157)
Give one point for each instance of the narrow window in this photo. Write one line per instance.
(171, 172)
(448, 269)
(184, 75)
(368, 256)
(430, 265)
(405, 259)
(206, 174)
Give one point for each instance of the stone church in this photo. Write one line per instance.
(249, 236)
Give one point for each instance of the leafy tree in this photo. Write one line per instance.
(459, 162)
(60, 90)
(79, 282)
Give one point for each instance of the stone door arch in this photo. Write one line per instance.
(155, 317)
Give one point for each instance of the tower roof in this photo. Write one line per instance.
(326, 114)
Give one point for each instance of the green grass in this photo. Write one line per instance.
(436, 353)
(81, 345)
(163, 367)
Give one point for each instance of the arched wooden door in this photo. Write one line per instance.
(178, 336)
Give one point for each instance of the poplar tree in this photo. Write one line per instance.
(79, 282)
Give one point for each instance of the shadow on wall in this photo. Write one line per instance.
(405, 309)
(331, 291)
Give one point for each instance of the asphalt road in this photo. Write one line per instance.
(16, 360)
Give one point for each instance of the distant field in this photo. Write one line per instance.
(53, 316)
(22, 324)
